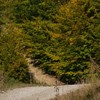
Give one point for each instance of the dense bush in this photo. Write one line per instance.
(12, 50)
(64, 35)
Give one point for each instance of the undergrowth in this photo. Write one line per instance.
(90, 92)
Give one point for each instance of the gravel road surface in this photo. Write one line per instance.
(38, 93)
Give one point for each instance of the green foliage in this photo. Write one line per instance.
(28, 9)
(18, 71)
(62, 36)
(11, 54)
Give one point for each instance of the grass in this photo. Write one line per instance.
(91, 92)
(9, 86)
(12, 84)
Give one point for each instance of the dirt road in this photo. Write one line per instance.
(40, 76)
(38, 93)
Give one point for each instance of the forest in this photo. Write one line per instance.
(62, 37)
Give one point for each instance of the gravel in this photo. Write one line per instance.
(39, 92)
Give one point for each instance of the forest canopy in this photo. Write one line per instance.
(62, 37)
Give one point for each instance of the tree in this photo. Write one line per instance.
(63, 35)
(12, 61)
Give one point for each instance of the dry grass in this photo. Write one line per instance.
(40, 76)
(13, 84)
(91, 92)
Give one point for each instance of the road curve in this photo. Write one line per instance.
(38, 93)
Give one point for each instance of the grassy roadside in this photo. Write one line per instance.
(12, 84)
(91, 92)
